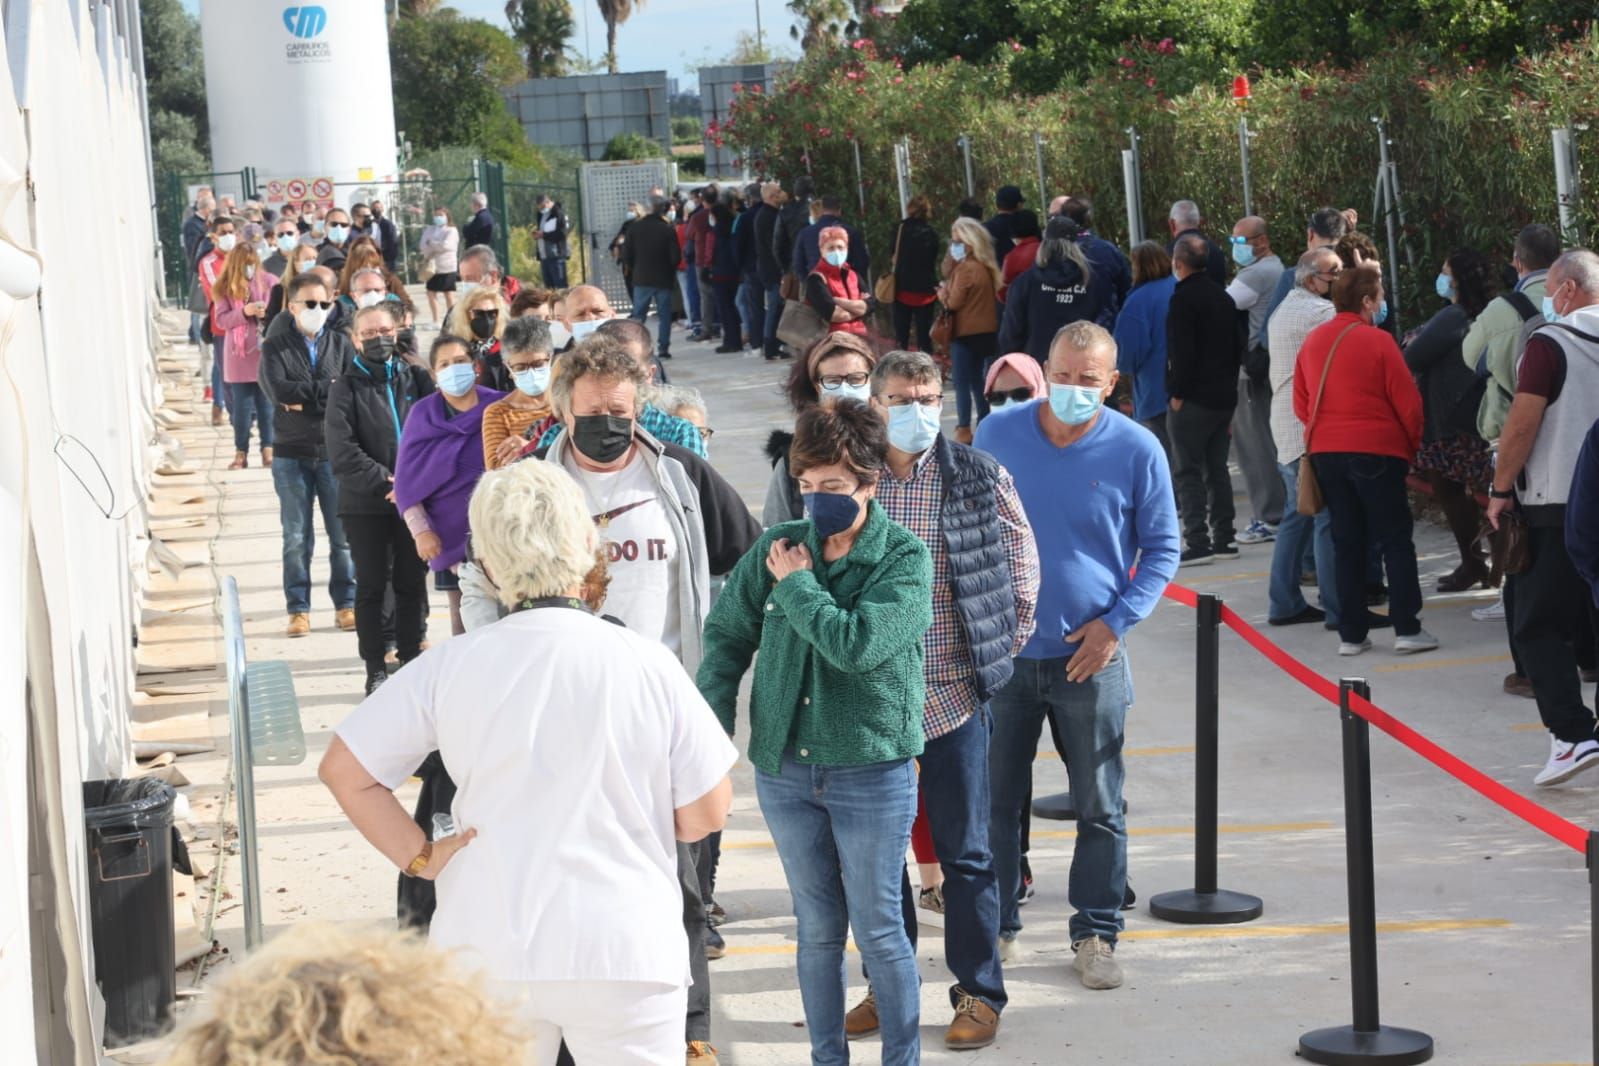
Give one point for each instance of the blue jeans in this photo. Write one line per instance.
(954, 785)
(691, 296)
(1090, 716)
(841, 832)
(1370, 506)
(247, 404)
(219, 391)
(754, 311)
(663, 312)
(1295, 534)
(774, 315)
(553, 271)
(968, 374)
(300, 483)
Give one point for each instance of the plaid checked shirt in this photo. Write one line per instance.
(917, 503)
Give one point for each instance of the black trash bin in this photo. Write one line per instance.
(129, 830)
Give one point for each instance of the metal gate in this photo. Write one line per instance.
(607, 190)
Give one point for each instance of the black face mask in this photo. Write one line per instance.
(603, 438)
(483, 323)
(405, 341)
(378, 349)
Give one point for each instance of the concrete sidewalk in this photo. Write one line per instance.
(1486, 924)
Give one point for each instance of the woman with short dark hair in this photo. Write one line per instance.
(836, 606)
(1363, 423)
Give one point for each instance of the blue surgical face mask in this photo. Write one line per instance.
(1243, 254)
(1549, 312)
(913, 427)
(831, 512)
(287, 242)
(532, 381)
(836, 257)
(457, 379)
(1445, 287)
(582, 330)
(1382, 314)
(845, 391)
(957, 250)
(338, 234)
(1074, 404)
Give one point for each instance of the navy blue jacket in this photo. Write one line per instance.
(808, 251)
(1046, 298)
(979, 573)
(1108, 259)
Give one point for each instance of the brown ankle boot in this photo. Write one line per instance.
(975, 1025)
(862, 1021)
(240, 461)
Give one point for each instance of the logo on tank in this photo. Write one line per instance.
(305, 24)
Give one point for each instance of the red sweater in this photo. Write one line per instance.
(1371, 404)
(1020, 260)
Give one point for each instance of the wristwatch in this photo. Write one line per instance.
(421, 861)
(1495, 494)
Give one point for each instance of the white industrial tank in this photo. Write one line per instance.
(301, 92)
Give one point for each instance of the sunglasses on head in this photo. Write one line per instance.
(1012, 395)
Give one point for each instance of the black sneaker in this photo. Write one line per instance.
(375, 679)
(1197, 557)
(714, 914)
(1129, 897)
(728, 349)
(715, 946)
(1304, 615)
(1226, 551)
(664, 353)
(1376, 595)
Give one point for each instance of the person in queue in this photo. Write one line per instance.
(983, 598)
(536, 303)
(1493, 346)
(480, 316)
(1075, 668)
(480, 269)
(1016, 378)
(367, 409)
(599, 961)
(725, 277)
(1104, 257)
(387, 235)
(524, 413)
(583, 311)
(1302, 311)
(299, 261)
(687, 403)
(361, 254)
(1186, 220)
(915, 267)
(335, 236)
(827, 212)
(836, 605)
(369, 286)
(1251, 289)
(768, 267)
(285, 239)
(970, 294)
(1324, 229)
(1555, 406)
(837, 367)
(1024, 251)
(212, 253)
(651, 256)
(1141, 337)
(834, 290)
(440, 460)
(440, 247)
(1363, 423)
(239, 299)
(551, 245)
(1001, 228)
(300, 358)
(479, 229)
(1062, 287)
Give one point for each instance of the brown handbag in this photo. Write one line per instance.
(887, 288)
(943, 330)
(1310, 500)
(1509, 548)
(789, 287)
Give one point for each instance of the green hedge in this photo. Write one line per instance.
(1471, 144)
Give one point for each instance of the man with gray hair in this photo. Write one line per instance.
(1185, 219)
(964, 507)
(480, 267)
(650, 256)
(1555, 405)
(1258, 271)
(480, 229)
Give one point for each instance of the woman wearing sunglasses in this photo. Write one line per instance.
(1013, 379)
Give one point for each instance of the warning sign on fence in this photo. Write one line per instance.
(298, 190)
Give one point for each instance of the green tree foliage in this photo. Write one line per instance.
(448, 74)
(615, 12)
(632, 145)
(686, 129)
(542, 28)
(180, 139)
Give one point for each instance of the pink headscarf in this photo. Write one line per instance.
(1026, 366)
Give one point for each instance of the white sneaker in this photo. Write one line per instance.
(1258, 532)
(1096, 963)
(1493, 612)
(1567, 761)
(1007, 948)
(1420, 640)
(1346, 648)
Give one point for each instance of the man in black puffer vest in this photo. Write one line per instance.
(964, 506)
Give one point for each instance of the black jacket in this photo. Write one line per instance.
(1203, 344)
(289, 380)
(478, 231)
(367, 406)
(916, 266)
(651, 253)
(1450, 390)
(792, 218)
(1215, 265)
(768, 268)
(998, 228)
(388, 238)
(1043, 299)
(979, 574)
(330, 255)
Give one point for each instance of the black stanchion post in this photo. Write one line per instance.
(1205, 904)
(1367, 1040)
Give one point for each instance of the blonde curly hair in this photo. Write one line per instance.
(324, 995)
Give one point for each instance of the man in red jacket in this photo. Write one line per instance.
(698, 231)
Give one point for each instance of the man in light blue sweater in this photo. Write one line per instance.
(1097, 489)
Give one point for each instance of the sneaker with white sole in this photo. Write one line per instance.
(1007, 947)
(1258, 532)
(1420, 640)
(1096, 963)
(1492, 613)
(1566, 761)
(1347, 648)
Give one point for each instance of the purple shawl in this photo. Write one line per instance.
(438, 466)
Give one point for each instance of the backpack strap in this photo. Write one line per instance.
(1523, 305)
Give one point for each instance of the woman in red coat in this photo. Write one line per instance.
(1363, 421)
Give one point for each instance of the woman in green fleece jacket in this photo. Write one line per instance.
(836, 606)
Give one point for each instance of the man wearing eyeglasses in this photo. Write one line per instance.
(964, 506)
(300, 358)
(1251, 289)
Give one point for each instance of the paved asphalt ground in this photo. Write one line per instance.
(1484, 937)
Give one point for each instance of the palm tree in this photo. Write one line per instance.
(615, 12)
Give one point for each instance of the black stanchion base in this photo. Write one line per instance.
(1205, 908)
(1344, 1045)
(1059, 807)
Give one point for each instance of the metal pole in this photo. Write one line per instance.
(860, 179)
(1136, 194)
(902, 167)
(1566, 183)
(243, 767)
(1205, 904)
(1391, 194)
(1038, 153)
(1243, 158)
(760, 47)
(1367, 1040)
(966, 154)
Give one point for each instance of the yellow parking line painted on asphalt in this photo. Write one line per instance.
(1197, 932)
(1172, 749)
(1136, 831)
(1437, 664)
(1203, 932)
(1527, 727)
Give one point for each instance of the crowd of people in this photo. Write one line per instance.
(913, 604)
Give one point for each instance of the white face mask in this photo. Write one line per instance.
(559, 334)
(581, 330)
(465, 289)
(249, 273)
(226, 242)
(311, 320)
(370, 299)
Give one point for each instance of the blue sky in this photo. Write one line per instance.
(669, 35)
